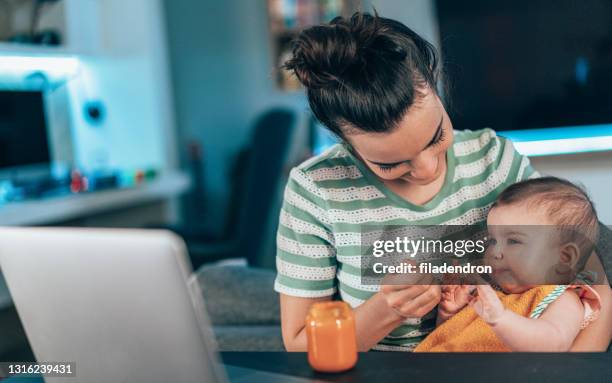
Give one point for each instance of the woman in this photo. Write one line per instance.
(373, 82)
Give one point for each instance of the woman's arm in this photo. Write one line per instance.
(293, 318)
(374, 319)
(597, 336)
(554, 331)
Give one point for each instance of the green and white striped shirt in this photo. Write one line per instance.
(330, 197)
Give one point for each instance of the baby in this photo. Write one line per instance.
(540, 233)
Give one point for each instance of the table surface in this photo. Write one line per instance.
(458, 367)
(383, 367)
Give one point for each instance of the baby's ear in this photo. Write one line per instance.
(570, 254)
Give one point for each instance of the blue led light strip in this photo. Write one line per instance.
(562, 140)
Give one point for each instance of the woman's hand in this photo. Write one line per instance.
(414, 297)
(487, 304)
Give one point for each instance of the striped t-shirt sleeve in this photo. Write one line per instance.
(306, 256)
(525, 171)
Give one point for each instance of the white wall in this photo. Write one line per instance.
(592, 170)
(124, 64)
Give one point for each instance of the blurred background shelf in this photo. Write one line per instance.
(66, 208)
(19, 49)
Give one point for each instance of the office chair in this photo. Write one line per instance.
(255, 194)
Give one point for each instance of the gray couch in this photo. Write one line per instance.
(242, 306)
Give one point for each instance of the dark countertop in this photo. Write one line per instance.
(457, 367)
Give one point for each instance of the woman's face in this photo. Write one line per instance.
(415, 151)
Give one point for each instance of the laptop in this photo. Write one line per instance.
(122, 305)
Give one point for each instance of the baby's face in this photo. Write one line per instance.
(523, 247)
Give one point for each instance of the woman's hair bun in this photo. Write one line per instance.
(324, 55)
(363, 72)
(321, 54)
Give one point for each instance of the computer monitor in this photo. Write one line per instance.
(23, 130)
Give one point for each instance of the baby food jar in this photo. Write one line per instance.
(332, 343)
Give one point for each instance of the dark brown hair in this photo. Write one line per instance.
(363, 72)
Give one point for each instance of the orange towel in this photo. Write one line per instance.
(467, 332)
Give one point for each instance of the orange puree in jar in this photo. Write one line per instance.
(332, 344)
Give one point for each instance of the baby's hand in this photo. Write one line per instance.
(454, 298)
(487, 304)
